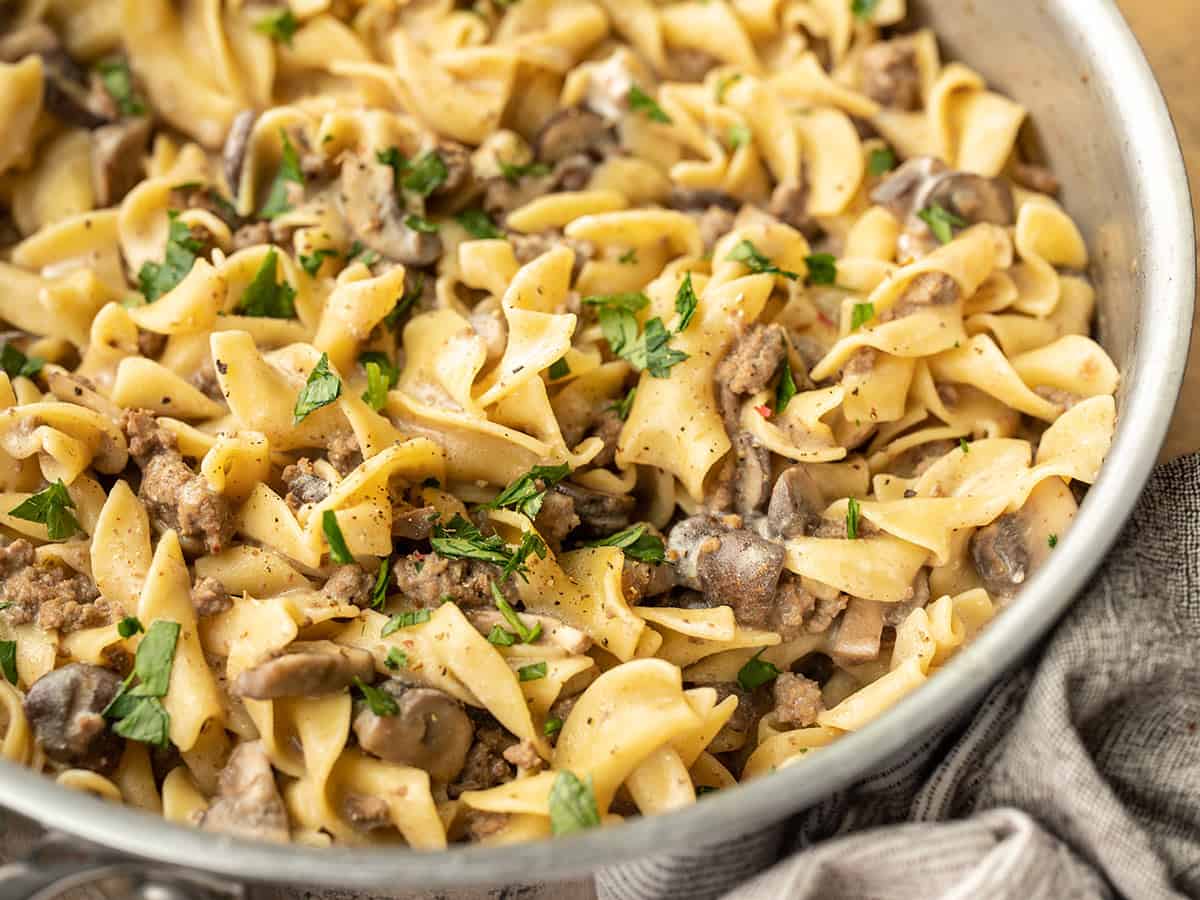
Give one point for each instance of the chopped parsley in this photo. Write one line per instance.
(861, 314)
(633, 301)
(852, 514)
(461, 539)
(338, 551)
(532, 672)
(396, 659)
(747, 254)
(405, 620)
(321, 389)
(530, 544)
(50, 507)
(16, 363)
(386, 366)
(572, 804)
(552, 727)
(377, 387)
(279, 25)
(685, 303)
(312, 262)
(629, 257)
(265, 297)
(624, 405)
(137, 709)
(637, 543)
(640, 101)
(426, 175)
(528, 492)
(756, 672)
(881, 160)
(479, 224)
(559, 369)
(786, 389)
(8, 661)
(822, 268)
(514, 172)
(363, 254)
(1052, 541)
(129, 626)
(411, 295)
(863, 9)
(725, 83)
(156, 279)
(964, 445)
(501, 637)
(739, 136)
(289, 171)
(941, 222)
(118, 84)
(648, 350)
(382, 579)
(421, 224)
(526, 634)
(379, 702)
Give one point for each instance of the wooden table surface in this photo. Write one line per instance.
(1167, 30)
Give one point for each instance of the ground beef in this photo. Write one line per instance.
(252, 235)
(15, 556)
(608, 428)
(303, 484)
(528, 247)
(891, 76)
(600, 514)
(481, 825)
(926, 290)
(736, 731)
(345, 454)
(248, 804)
(350, 584)
(714, 223)
(486, 766)
(50, 592)
(789, 204)
(145, 437)
(151, 344)
(753, 359)
(209, 597)
(413, 523)
(557, 519)
(366, 813)
(206, 382)
(797, 700)
(425, 578)
(523, 755)
(689, 64)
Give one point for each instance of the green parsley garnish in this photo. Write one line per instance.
(964, 445)
(881, 160)
(321, 389)
(50, 507)
(129, 626)
(863, 9)
(461, 539)
(16, 363)
(280, 26)
(629, 257)
(405, 619)
(756, 672)
(382, 579)
(624, 405)
(552, 727)
(1052, 541)
(640, 101)
(786, 389)
(514, 172)
(421, 224)
(392, 156)
(156, 279)
(265, 297)
(396, 659)
(861, 314)
(941, 222)
(312, 262)
(572, 804)
(648, 350)
(822, 268)
(852, 513)
(479, 224)
(8, 661)
(360, 252)
(338, 551)
(637, 543)
(633, 301)
(739, 136)
(118, 83)
(289, 170)
(528, 492)
(685, 303)
(520, 629)
(426, 175)
(405, 303)
(386, 366)
(377, 387)
(532, 672)
(747, 254)
(725, 83)
(501, 637)
(379, 702)
(137, 708)
(559, 369)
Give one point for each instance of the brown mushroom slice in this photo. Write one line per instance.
(233, 154)
(430, 731)
(640, 580)
(117, 152)
(248, 803)
(973, 198)
(736, 731)
(64, 708)
(858, 634)
(743, 571)
(599, 514)
(66, 92)
(571, 640)
(1007, 552)
(796, 502)
(306, 669)
(373, 212)
(752, 480)
(573, 131)
(901, 191)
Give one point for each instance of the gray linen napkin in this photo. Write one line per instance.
(1077, 777)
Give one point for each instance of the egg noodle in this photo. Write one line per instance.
(426, 422)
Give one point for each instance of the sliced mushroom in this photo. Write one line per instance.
(457, 159)
(233, 154)
(689, 200)
(572, 640)
(599, 514)
(373, 212)
(365, 813)
(64, 708)
(796, 502)
(902, 191)
(574, 131)
(858, 634)
(306, 669)
(1008, 552)
(429, 731)
(752, 483)
(117, 152)
(248, 804)
(895, 613)
(641, 581)
(973, 198)
(67, 94)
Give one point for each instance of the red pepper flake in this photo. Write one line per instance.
(764, 411)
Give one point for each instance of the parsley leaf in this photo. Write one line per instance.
(964, 445)
(527, 493)
(822, 268)
(640, 101)
(411, 295)
(118, 83)
(652, 353)
(685, 303)
(747, 254)
(861, 315)
(311, 263)
(129, 626)
(520, 629)
(739, 136)
(532, 672)
(386, 366)
(479, 224)
(363, 254)
(637, 543)
(531, 544)
(289, 170)
(140, 713)
(1052, 541)
(379, 702)
(321, 389)
(156, 279)
(625, 404)
(863, 9)
(552, 727)
(852, 515)
(501, 637)
(461, 539)
(421, 224)
(426, 175)
(154, 659)
(147, 722)
(725, 83)
(16, 363)
(756, 672)
(572, 804)
(786, 389)
(280, 26)
(265, 297)
(941, 222)
(382, 579)
(50, 507)
(881, 161)
(633, 301)
(559, 369)
(396, 659)
(406, 619)
(8, 661)
(338, 551)
(629, 257)
(377, 387)
(514, 172)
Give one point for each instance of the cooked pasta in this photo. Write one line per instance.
(427, 422)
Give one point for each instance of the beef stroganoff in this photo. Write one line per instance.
(426, 422)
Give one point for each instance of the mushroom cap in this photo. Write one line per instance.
(306, 669)
(64, 707)
(430, 731)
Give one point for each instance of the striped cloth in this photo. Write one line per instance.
(1077, 778)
